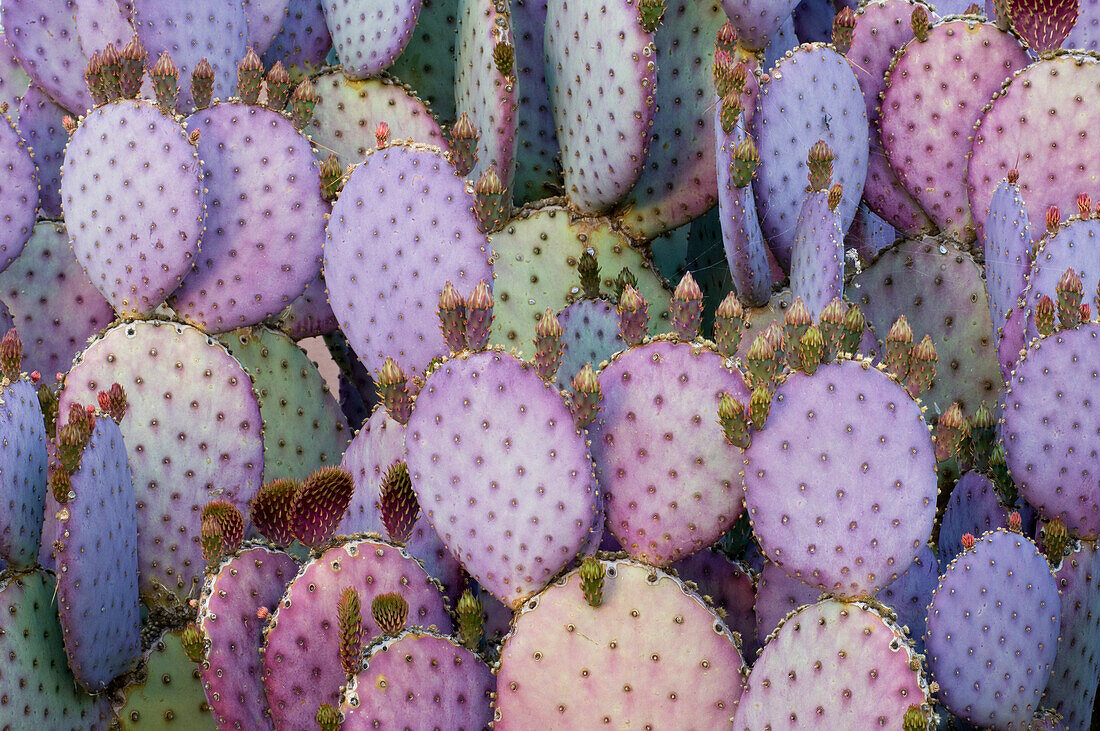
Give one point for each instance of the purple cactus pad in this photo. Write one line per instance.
(1072, 688)
(777, 595)
(973, 508)
(22, 474)
(1007, 252)
(746, 253)
(364, 47)
(303, 40)
(756, 20)
(45, 39)
(1073, 245)
(817, 254)
(40, 123)
(590, 334)
(730, 587)
(18, 193)
(910, 593)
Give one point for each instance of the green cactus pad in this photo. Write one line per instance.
(304, 428)
(536, 267)
(166, 692)
(425, 63)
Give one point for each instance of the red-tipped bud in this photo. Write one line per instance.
(1044, 25)
(729, 111)
(250, 76)
(820, 165)
(165, 77)
(1045, 321)
(759, 406)
(811, 350)
(687, 308)
(744, 162)
(202, 84)
(1085, 314)
(278, 87)
(832, 327)
(952, 433)
(382, 135)
(133, 68)
(734, 421)
(452, 318)
(320, 504)
(11, 355)
(1070, 291)
(844, 26)
(922, 366)
(726, 38)
(586, 396)
(93, 77)
(836, 193)
(113, 402)
(332, 178)
(479, 316)
(1013, 176)
(763, 361)
(270, 510)
(548, 345)
(35, 377)
(349, 621)
(393, 391)
(111, 64)
(464, 140)
(1054, 218)
(301, 104)
(69, 124)
(898, 343)
(1014, 522)
(967, 541)
(389, 612)
(491, 201)
(397, 503)
(222, 529)
(729, 318)
(1084, 205)
(633, 316)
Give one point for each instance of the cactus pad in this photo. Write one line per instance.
(756, 21)
(1007, 252)
(22, 473)
(40, 123)
(590, 335)
(730, 587)
(1072, 688)
(973, 508)
(777, 595)
(18, 193)
(909, 594)
(47, 45)
(303, 41)
(167, 689)
(1073, 245)
(419, 64)
(365, 49)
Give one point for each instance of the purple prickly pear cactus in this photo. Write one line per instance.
(834, 639)
(777, 595)
(303, 40)
(18, 193)
(841, 482)
(14, 81)
(756, 20)
(1072, 688)
(1072, 245)
(1007, 250)
(100, 22)
(40, 123)
(909, 594)
(590, 335)
(972, 508)
(97, 562)
(46, 42)
(667, 472)
(526, 442)
(571, 662)
(993, 631)
(366, 51)
(537, 170)
(265, 18)
(817, 254)
(426, 677)
(301, 652)
(22, 473)
(237, 596)
(729, 586)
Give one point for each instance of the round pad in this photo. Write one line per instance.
(538, 169)
(841, 483)
(427, 63)
(99, 22)
(264, 20)
(392, 246)
(47, 44)
(1073, 246)
(669, 478)
(777, 595)
(1050, 427)
(1019, 131)
(993, 631)
(348, 113)
(590, 334)
(1071, 690)
(932, 99)
(193, 431)
(303, 41)
(169, 689)
(22, 474)
(302, 641)
(756, 20)
(265, 223)
(54, 305)
(833, 665)
(369, 34)
(40, 122)
(515, 500)
(18, 193)
(973, 508)
(134, 205)
(98, 536)
(232, 595)
(415, 679)
(786, 126)
(616, 104)
(652, 655)
(910, 593)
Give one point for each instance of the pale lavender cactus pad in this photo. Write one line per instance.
(1073, 245)
(756, 20)
(265, 19)
(1072, 688)
(777, 595)
(369, 34)
(909, 594)
(234, 595)
(303, 40)
(136, 231)
(668, 475)
(391, 247)
(993, 631)
(598, 175)
(97, 562)
(841, 483)
(746, 253)
(513, 499)
(590, 334)
(47, 45)
(817, 254)
(40, 124)
(18, 193)
(1086, 33)
(100, 22)
(972, 508)
(1007, 247)
(301, 652)
(22, 474)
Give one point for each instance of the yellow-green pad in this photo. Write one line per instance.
(170, 695)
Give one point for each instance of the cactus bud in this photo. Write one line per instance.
(320, 504)
(349, 620)
(112, 71)
(389, 612)
(1085, 314)
(328, 718)
(743, 163)
(759, 406)
(471, 625)
(831, 324)
(763, 361)
(811, 350)
(202, 84)
(589, 270)
(166, 83)
(1014, 522)
(1054, 218)
(278, 87)
(820, 165)
(1056, 540)
(633, 316)
(729, 318)
(479, 316)
(952, 433)
(899, 341)
(722, 71)
(270, 510)
(914, 720)
(726, 38)
(47, 399)
(734, 421)
(687, 308)
(464, 140)
(504, 57)
(854, 325)
(452, 318)
(797, 320)
(922, 366)
(11, 355)
(586, 396)
(133, 68)
(650, 13)
(113, 402)
(71, 441)
(332, 178)
(919, 23)
(194, 642)
(222, 529)
(592, 575)
(250, 75)
(69, 124)
(548, 345)
(1070, 291)
(1045, 316)
(61, 486)
(836, 193)
(967, 541)
(1084, 205)
(397, 503)
(844, 26)
(301, 104)
(491, 201)
(625, 277)
(1013, 176)
(393, 391)
(382, 136)
(729, 111)
(35, 376)
(93, 77)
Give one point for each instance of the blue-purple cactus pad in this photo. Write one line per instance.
(777, 595)
(939, 288)
(348, 113)
(46, 43)
(841, 483)
(833, 664)
(669, 477)
(304, 428)
(756, 20)
(233, 596)
(993, 631)
(22, 474)
(97, 562)
(40, 124)
(590, 334)
(265, 221)
(212, 29)
(52, 302)
(379, 445)
(99, 22)
(538, 169)
(14, 81)
(1050, 426)
(587, 108)
(18, 193)
(730, 587)
(193, 431)
(1052, 169)
(36, 686)
(265, 18)
(678, 183)
(1007, 252)
(416, 679)
(817, 254)
(369, 34)
(934, 94)
(134, 206)
(1072, 688)
(303, 40)
(746, 252)
(791, 115)
(489, 97)
(869, 233)
(910, 593)
(973, 508)
(310, 314)
(513, 498)
(653, 654)
(393, 246)
(301, 668)
(1086, 34)
(1073, 245)
(1013, 341)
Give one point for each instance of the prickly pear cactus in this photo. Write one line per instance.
(166, 689)
(1070, 245)
(1072, 687)
(302, 42)
(46, 42)
(1007, 250)
(40, 124)
(364, 54)
(777, 595)
(18, 194)
(22, 473)
(590, 334)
